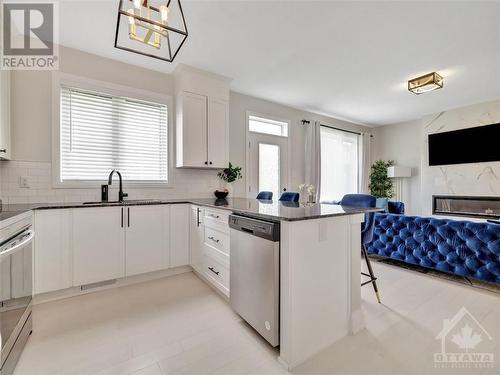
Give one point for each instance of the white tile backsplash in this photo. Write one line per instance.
(186, 184)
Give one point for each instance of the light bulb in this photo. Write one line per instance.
(164, 13)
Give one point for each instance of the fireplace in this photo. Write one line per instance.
(471, 206)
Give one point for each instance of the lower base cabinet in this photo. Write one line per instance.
(179, 235)
(147, 239)
(98, 244)
(79, 246)
(52, 250)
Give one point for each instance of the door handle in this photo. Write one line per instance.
(128, 216)
(214, 271)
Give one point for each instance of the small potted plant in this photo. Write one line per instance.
(229, 175)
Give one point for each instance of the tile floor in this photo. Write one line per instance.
(178, 325)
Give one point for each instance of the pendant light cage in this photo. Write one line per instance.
(153, 28)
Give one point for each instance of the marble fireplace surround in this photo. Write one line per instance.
(476, 179)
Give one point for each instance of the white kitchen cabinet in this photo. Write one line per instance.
(218, 133)
(5, 144)
(179, 235)
(202, 118)
(98, 244)
(147, 245)
(196, 237)
(52, 254)
(192, 134)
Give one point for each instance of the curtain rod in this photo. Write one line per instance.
(343, 130)
(307, 122)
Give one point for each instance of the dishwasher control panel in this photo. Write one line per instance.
(264, 229)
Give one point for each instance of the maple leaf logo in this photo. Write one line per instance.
(466, 339)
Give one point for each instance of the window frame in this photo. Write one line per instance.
(358, 147)
(270, 118)
(107, 88)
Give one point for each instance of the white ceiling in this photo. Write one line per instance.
(349, 60)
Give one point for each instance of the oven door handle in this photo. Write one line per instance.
(27, 238)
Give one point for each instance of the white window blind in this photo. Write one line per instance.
(100, 133)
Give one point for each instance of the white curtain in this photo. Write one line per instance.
(313, 156)
(364, 162)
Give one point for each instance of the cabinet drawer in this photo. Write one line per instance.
(216, 255)
(218, 220)
(217, 274)
(217, 239)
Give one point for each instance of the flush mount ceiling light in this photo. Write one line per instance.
(425, 83)
(154, 28)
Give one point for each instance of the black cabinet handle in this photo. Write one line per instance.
(198, 222)
(122, 218)
(4, 150)
(214, 271)
(210, 163)
(128, 216)
(206, 162)
(213, 239)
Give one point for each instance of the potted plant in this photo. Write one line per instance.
(381, 185)
(229, 175)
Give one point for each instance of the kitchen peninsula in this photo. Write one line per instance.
(320, 293)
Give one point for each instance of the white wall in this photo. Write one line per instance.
(406, 143)
(32, 124)
(402, 143)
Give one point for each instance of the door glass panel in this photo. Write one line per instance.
(269, 168)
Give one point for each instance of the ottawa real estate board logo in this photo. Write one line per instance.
(30, 35)
(465, 343)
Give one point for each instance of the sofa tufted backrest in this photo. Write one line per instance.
(463, 248)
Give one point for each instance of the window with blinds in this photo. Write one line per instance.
(100, 133)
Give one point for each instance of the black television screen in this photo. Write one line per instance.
(472, 145)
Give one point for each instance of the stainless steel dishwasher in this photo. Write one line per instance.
(254, 274)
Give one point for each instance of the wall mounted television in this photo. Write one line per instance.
(472, 145)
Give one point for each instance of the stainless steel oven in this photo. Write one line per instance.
(16, 289)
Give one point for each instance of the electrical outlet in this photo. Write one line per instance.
(24, 182)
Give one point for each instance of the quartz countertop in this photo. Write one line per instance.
(277, 210)
(261, 209)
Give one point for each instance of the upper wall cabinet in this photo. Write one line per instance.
(202, 118)
(5, 152)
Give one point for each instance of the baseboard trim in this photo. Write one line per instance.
(77, 291)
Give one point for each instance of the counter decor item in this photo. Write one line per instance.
(221, 194)
(307, 191)
(229, 175)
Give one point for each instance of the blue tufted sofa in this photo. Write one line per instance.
(462, 248)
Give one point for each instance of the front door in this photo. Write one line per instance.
(268, 164)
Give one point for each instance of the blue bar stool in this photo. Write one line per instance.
(367, 201)
(265, 195)
(289, 196)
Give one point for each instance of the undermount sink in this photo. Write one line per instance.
(132, 201)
